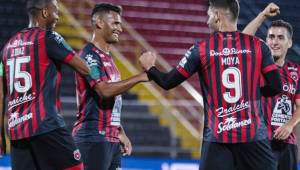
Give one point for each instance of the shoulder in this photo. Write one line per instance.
(89, 55)
(54, 36)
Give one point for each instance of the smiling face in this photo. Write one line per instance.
(50, 13)
(112, 27)
(279, 41)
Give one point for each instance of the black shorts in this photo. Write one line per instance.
(241, 156)
(100, 155)
(54, 150)
(285, 154)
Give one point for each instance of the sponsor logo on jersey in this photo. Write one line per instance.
(289, 88)
(233, 109)
(227, 52)
(20, 100)
(231, 123)
(19, 43)
(15, 119)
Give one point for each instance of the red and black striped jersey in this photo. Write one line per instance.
(280, 109)
(230, 65)
(98, 118)
(32, 65)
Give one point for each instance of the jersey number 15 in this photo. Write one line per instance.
(15, 73)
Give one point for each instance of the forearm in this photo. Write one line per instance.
(295, 119)
(253, 26)
(165, 80)
(110, 89)
(79, 66)
(296, 116)
(121, 130)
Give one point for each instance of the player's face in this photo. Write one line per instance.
(212, 20)
(279, 41)
(112, 27)
(52, 18)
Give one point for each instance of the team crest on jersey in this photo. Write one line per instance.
(294, 76)
(77, 154)
(90, 61)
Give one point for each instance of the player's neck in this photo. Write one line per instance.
(100, 43)
(36, 23)
(228, 27)
(280, 61)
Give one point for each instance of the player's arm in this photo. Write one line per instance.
(274, 84)
(100, 82)
(270, 11)
(2, 112)
(125, 142)
(285, 130)
(107, 89)
(165, 80)
(187, 66)
(270, 73)
(79, 65)
(59, 50)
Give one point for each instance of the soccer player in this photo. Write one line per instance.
(230, 65)
(98, 132)
(32, 61)
(281, 114)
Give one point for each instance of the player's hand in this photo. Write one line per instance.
(283, 132)
(126, 147)
(147, 60)
(271, 10)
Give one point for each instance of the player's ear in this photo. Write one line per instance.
(217, 16)
(45, 13)
(290, 42)
(99, 23)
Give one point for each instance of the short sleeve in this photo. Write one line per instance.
(57, 47)
(268, 63)
(190, 62)
(97, 73)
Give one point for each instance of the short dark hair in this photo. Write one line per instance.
(232, 5)
(282, 23)
(104, 8)
(34, 6)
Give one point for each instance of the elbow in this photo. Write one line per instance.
(166, 87)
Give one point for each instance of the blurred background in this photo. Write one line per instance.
(164, 127)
